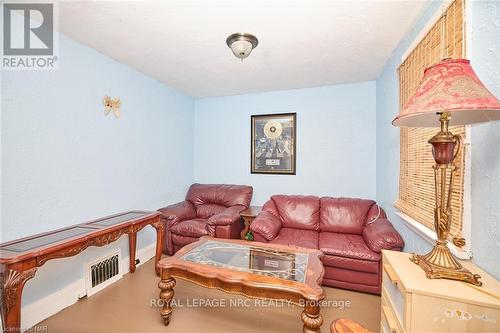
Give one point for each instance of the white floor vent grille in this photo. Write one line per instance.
(102, 273)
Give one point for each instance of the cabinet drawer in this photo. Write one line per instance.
(392, 289)
(430, 314)
(384, 326)
(388, 322)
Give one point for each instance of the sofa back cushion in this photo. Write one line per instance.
(344, 215)
(298, 211)
(211, 199)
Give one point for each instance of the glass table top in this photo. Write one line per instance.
(33, 243)
(119, 219)
(246, 258)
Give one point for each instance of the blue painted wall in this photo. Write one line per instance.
(335, 140)
(484, 50)
(64, 162)
(484, 53)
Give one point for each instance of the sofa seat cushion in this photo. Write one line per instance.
(358, 265)
(346, 245)
(179, 241)
(190, 228)
(297, 238)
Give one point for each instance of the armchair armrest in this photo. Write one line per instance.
(228, 216)
(178, 212)
(267, 225)
(381, 235)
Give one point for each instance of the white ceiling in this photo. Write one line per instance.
(301, 44)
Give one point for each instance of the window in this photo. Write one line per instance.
(445, 39)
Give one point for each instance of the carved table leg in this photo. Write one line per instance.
(311, 317)
(160, 229)
(11, 290)
(132, 240)
(166, 285)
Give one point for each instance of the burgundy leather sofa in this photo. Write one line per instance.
(209, 209)
(350, 232)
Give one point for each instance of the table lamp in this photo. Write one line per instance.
(449, 94)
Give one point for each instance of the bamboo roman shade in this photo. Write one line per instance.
(416, 180)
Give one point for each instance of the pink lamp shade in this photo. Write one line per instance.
(449, 86)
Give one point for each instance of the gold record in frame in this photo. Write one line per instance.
(273, 129)
(273, 143)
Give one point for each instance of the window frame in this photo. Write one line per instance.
(423, 231)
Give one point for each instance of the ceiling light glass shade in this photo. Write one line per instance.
(449, 86)
(242, 44)
(241, 48)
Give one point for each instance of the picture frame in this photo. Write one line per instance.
(273, 143)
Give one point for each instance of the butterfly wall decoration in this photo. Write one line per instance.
(112, 105)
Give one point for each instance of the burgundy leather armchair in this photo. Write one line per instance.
(350, 232)
(209, 209)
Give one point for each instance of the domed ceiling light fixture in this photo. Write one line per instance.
(242, 44)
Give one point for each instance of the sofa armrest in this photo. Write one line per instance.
(228, 216)
(178, 212)
(267, 225)
(381, 235)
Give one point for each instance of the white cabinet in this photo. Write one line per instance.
(411, 303)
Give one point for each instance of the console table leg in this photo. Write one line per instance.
(160, 229)
(11, 290)
(166, 285)
(132, 241)
(311, 317)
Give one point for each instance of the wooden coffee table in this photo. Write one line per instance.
(251, 269)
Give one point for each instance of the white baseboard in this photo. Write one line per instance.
(43, 308)
(145, 254)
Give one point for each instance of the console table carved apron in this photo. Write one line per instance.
(20, 258)
(251, 269)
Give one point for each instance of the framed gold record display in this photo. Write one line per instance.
(273, 143)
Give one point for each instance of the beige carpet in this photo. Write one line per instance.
(125, 306)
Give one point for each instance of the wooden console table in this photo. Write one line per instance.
(20, 258)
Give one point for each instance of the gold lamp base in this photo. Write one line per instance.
(440, 264)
